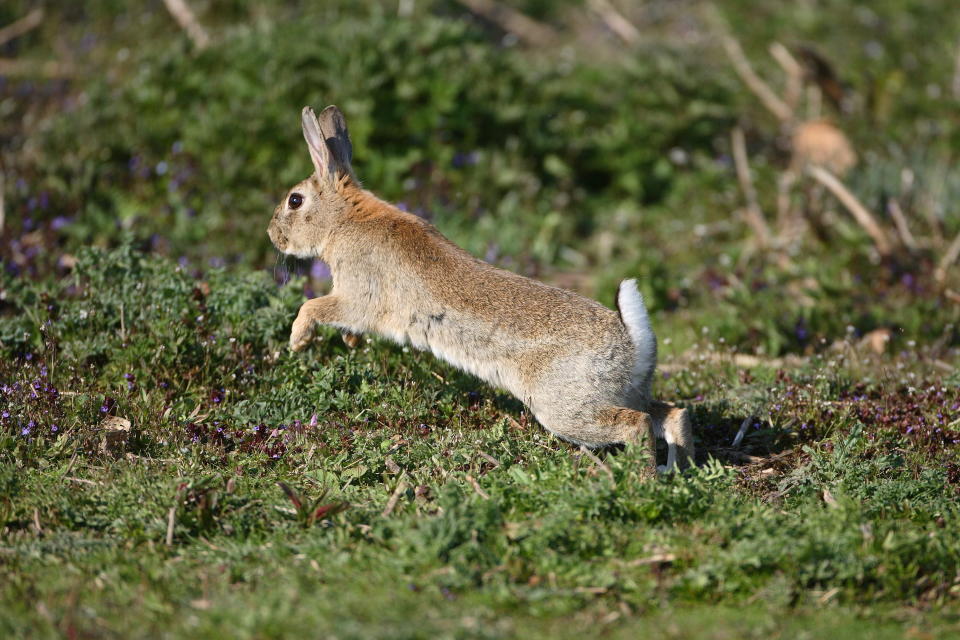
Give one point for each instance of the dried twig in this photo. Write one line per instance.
(84, 481)
(16, 29)
(171, 523)
(476, 487)
(394, 497)
(512, 21)
(657, 558)
(185, 17)
(900, 222)
(742, 431)
(794, 71)
(955, 85)
(597, 461)
(863, 217)
(489, 458)
(47, 69)
(953, 252)
(787, 216)
(752, 212)
(741, 65)
(615, 21)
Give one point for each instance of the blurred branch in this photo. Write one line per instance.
(16, 29)
(615, 21)
(49, 68)
(863, 217)
(794, 71)
(512, 21)
(752, 213)
(953, 252)
(2, 204)
(741, 65)
(185, 17)
(955, 85)
(900, 221)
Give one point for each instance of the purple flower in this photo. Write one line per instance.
(104, 408)
(313, 420)
(59, 222)
(54, 428)
(25, 431)
(319, 270)
(461, 159)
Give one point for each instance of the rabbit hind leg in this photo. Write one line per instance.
(631, 427)
(672, 423)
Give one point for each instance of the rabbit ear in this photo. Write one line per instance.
(319, 152)
(334, 127)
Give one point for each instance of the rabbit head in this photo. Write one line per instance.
(303, 221)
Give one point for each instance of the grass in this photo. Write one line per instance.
(167, 468)
(838, 502)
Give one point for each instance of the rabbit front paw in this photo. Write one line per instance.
(301, 333)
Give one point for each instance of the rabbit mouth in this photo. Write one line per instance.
(278, 238)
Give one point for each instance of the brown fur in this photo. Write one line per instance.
(574, 362)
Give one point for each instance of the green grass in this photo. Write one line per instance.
(222, 414)
(136, 282)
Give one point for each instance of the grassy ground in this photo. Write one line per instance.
(167, 468)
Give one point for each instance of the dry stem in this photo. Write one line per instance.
(16, 29)
(863, 217)
(597, 461)
(953, 252)
(512, 21)
(395, 497)
(794, 72)
(476, 487)
(185, 17)
(752, 213)
(741, 65)
(615, 21)
(900, 221)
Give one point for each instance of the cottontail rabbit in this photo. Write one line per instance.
(584, 370)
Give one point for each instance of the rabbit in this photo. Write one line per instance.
(584, 370)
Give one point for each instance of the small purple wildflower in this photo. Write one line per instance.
(319, 270)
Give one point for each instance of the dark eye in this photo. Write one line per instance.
(295, 200)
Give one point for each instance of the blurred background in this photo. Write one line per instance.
(780, 175)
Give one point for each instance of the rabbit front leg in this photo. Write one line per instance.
(325, 310)
(351, 339)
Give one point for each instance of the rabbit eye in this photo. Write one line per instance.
(295, 200)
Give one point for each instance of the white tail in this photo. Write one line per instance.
(633, 313)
